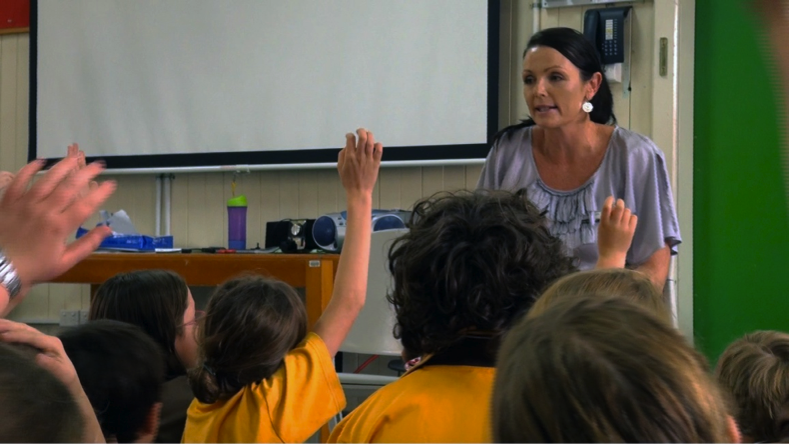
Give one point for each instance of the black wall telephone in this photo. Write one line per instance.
(605, 29)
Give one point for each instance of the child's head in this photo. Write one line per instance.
(250, 325)
(471, 261)
(34, 405)
(120, 369)
(615, 282)
(753, 370)
(604, 370)
(159, 302)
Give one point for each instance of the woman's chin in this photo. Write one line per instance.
(547, 120)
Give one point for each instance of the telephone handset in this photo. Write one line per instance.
(605, 28)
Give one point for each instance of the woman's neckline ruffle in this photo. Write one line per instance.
(571, 213)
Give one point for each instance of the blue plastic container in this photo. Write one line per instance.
(132, 242)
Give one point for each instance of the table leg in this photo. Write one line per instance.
(320, 280)
(318, 291)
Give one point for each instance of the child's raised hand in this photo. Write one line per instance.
(358, 163)
(615, 233)
(74, 151)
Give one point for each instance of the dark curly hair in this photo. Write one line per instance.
(470, 261)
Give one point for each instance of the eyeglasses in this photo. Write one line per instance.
(199, 315)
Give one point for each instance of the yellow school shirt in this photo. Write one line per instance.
(290, 406)
(441, 403)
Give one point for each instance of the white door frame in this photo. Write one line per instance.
(673, 109)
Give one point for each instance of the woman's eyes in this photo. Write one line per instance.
(529, 80)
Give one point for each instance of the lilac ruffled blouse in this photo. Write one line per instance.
(633, 169)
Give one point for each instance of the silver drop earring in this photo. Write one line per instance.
(587, 107)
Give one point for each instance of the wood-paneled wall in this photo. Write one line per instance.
(198, 200)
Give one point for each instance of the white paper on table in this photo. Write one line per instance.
(119, 222)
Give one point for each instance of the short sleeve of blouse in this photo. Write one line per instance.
(507, 166)
(648, 189)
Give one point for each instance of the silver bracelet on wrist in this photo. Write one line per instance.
(9, 278)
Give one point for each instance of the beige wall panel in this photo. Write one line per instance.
(389, 191)
(270, 196)
(35, 306)
(179, 212)
(642, 69)
(432, 180)
(549, 18)
(22, 102)
(454, 178)
(289, 194)
(473, 175)
(410, 187)
(63, 297)
(9, 60)
(328, 187)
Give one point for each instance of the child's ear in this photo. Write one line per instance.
(150, 427)
(733, 433)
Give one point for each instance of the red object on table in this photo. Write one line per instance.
(14, 14)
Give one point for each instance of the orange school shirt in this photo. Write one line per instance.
(441, 403)
(290, 406)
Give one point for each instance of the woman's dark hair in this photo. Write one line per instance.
(251, 323)
(34, 405)
(120, 369)
(470, 261)
(574, 46)
(154, 300)
(598, 369)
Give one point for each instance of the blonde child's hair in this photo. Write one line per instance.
(597, 369)
(616, 282)
(753, 370)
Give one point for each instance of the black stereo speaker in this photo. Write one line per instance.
(291, 235)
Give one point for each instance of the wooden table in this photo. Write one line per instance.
(313, 272)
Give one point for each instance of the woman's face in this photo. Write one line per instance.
(554, 89)
(186, 342)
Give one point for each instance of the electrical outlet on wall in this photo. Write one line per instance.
(83, 317)
(69, 318)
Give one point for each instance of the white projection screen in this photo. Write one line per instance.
(152, 84)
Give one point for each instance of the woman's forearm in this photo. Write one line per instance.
(657, 267)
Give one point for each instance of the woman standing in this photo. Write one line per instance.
(571, 155)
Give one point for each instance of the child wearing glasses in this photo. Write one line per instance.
(159, 302)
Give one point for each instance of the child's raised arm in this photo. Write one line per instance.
(615, 234)
(358, 165)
